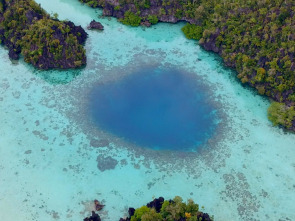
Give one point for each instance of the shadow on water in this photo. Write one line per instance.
(52, 76)
(56, 77)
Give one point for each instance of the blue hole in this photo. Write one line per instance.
(155, 108)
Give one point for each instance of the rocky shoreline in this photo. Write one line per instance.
(45, 42)
(161, 209)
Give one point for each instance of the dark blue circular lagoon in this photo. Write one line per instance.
(155, 108)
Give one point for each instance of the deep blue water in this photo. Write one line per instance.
(155, 108)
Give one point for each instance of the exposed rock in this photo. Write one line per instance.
(78, 31)
(31, 16)
(210, 44)
(204, 217)
(146, 23)
(130, 212)
(156, 203)
(93, 217)
(98, 205)
(168, 18)
(95, 25)
(108, 9)
(13, 54)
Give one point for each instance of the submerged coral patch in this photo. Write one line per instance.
(99, 143)
(156, 108)
(106, 163)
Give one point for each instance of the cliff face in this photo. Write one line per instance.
(166, 11)
(44, 42)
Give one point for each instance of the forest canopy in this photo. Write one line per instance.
(44, 42)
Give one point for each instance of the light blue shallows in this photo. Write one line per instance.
(54, 162)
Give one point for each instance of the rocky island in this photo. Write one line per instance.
(255, 38)
(45, 42)
(95, 25)
(161, 209)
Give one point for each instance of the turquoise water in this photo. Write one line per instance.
(54, 160)
(155, 108)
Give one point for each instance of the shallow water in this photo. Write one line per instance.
(54, 159)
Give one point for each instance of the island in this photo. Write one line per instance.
(160, 209)
(44, 42)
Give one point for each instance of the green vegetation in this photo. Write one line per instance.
(153, 19)
(131, 19)
(92, 3)
(192, 31)
(1, 6)
(142, 212)
(171, 210)
(39, 39)
(280, 114)
(44, 42)
(255, 37)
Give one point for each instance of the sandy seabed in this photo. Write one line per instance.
(54, 161)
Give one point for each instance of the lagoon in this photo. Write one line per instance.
(55, 159)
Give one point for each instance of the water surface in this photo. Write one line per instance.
(54, 162)
(155, 108)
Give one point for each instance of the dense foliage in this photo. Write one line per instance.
(256, 37)
(131, 19)
(280, 114)
(192, 31)
(169, 210)
(45, 42)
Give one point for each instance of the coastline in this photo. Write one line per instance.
(260, 75)
(64, 168)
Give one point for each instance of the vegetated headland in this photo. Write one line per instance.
(256, 38)
(45, 42)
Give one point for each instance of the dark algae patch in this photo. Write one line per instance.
(155, 108)
(256, 38)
